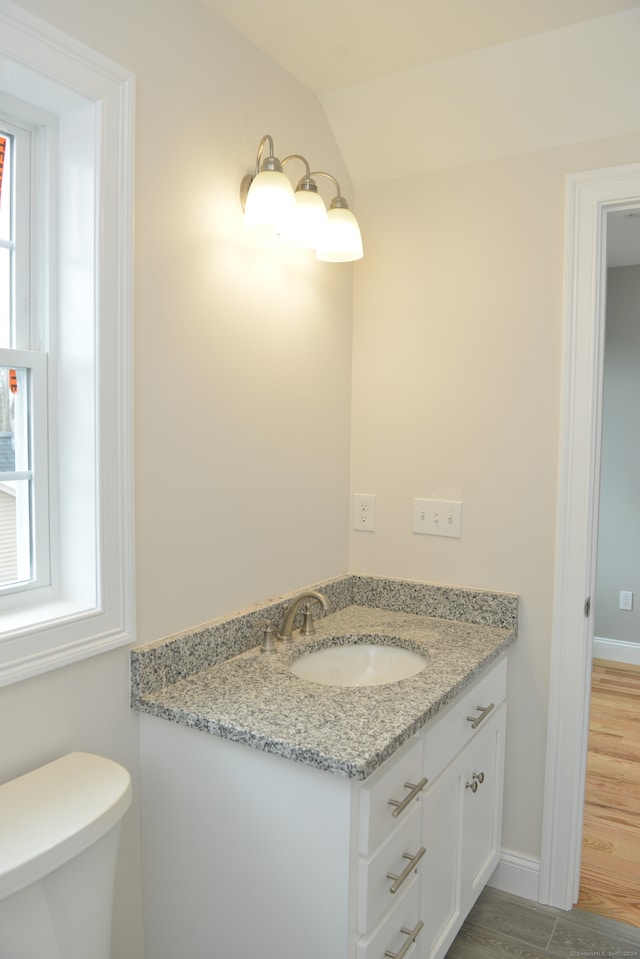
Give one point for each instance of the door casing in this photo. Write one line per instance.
(589, 198)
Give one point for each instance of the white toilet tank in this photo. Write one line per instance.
(59, 830)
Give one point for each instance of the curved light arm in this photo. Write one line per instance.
(298, 156)
(308, 182)
(270, 163)
(339, 195)
(266, 139)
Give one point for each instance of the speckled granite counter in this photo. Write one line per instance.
(240, 694)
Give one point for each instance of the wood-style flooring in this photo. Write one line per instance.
(610, 873)
(502, 926)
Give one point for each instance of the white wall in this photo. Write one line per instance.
(458, 314)
(243, 366)
(619, 524)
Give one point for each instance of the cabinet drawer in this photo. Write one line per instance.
(377, 893)
(389, 935)
(380, 800)
(447, 736)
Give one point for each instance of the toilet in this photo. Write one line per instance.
(59, 831)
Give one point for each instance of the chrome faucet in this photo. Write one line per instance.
(286, 630)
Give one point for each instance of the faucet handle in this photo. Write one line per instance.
(268, 638)
(308, 628)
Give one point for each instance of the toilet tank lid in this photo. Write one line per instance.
(51, 814)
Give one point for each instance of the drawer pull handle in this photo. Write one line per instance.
(484, 712)
(398, 880)
(413, 935)
(402, 805)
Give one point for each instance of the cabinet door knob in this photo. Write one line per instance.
(484, 712)
(398, 880)
(413, 935)
(401, 805)
(476, 780)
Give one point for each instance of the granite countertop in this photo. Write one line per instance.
(254, 699)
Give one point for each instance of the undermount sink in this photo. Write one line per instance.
(361, 664)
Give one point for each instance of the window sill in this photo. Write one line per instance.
(47, 635)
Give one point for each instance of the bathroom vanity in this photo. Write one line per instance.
(362, 823)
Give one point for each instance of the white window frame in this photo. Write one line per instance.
(83, 107)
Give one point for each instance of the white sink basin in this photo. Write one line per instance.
(358, 665)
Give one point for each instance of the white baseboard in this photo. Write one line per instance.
(616, 650)
(517, 874)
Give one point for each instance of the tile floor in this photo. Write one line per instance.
(502, 926)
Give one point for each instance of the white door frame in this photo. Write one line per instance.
(590, 197)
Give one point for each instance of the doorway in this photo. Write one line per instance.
(609, 873)
(617, 616)
(590, 198)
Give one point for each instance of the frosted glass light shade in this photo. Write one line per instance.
(341, 241)
(309, 219)
(270, 202)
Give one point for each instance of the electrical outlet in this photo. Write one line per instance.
(364, 511)
(437, 517)
(626, 599)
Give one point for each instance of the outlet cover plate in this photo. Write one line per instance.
(364, 511)
(626, 599)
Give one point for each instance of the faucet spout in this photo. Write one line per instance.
(286, 630)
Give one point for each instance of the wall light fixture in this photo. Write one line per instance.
(299, 217)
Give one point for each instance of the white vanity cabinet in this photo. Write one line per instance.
(462, 807)
(248, 854)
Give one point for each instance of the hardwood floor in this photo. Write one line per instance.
(502, 926)
(610, 875)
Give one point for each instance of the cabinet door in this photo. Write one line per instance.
(482, 764)
(442, 837)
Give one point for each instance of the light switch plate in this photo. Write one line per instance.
(436, 517)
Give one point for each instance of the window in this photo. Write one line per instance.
(24, 474)
(66, 541)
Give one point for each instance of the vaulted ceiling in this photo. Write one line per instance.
(415, 85)
(339, 43)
